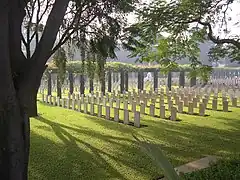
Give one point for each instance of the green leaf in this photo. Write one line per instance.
(158, 157)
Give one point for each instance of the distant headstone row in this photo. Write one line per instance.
(158, 103)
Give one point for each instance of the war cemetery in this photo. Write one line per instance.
(119, 90)
(93, 123)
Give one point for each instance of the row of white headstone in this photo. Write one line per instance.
(183, 97)
(77, 105)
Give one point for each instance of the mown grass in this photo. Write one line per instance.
(224, 169)
(66, 144)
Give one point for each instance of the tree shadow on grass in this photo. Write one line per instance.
(196, 141)
(184, 142)
(83, 160)
(79, 158)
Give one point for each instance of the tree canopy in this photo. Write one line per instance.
(168, 31)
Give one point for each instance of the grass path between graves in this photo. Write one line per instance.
(69, 145)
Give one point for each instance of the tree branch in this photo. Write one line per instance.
(40, 19)
(30, 14)
(217, 40)
(16, 16)
(53, 24)
(67, 36)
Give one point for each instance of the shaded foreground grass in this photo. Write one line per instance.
(224, 169)
(70, 145)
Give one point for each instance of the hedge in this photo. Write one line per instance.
(76, 67)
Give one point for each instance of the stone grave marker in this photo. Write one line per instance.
(205, 102)
(92, 109)
(73, 104)
(116, 114)
(111, 102)
(63, 103)
(118, 103)
(99, 110)
(43, 99)
(225, 106)
(68, 104)
(214, 104)
(190, 108)
(195, 102)
(162, 112)
(170, 104)
(126, 116)
(137, 119)
(50, 99)
(180, 106)
(107, 112)
(104, 101)
(142, 108)
(77, 97)
(185, 101)
(125, 104)
(134, 106)
(79, 105)
(202, 109)
(176, 100)
(173, 114)
(234, 102)
(58, 101)
(152, 110)
(73, 96)
(85, 108)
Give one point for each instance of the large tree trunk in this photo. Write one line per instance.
(14, 142)
(32, 104)
(14, 122)
(20, 79)
(31, 100)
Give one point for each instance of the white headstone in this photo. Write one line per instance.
(58, 101)
(170, 104)
(50, 99)
(137, 119)
(152, 110)
(43, 99)
(116, 114)
(85, 107)
(180, 106)
(190, 108)
(234, 102)
(133, 106)
(73, 104)
(126, 116)
(225, 106)
(79, 105)
(92, 109)
(63, 103)
(125, 104)
(173, 114)
(99, 110)
(214, 104)
(201, 109)
(107, 112)
(142, 108)
(162, 112)
(68, 103)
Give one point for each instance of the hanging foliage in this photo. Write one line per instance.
(91, 65)
(60, 61)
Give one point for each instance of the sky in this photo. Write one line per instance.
(234, 14)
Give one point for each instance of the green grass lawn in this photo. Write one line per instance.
(224, 169)
(69, 145)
